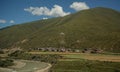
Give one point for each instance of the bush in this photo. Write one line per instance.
(1, 52)
(6, 63)
(49, 58)
(16, 53)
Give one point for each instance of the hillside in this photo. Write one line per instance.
(94, 28)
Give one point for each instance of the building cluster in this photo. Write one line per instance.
(89, 50)
(50, 49)
(55, 49)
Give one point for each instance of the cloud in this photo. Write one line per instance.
(2, 21)
(56, 11)
(78, 6)
(44, 18)
(12, 21)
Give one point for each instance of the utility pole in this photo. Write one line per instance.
(62, 39)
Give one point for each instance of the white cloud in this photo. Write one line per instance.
(38, 10)
(56, 11)
(12, 21)
(2, 21)
(44, 18)
(79, 6)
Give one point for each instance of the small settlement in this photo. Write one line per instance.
(50, 49)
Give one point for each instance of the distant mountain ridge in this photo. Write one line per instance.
(94, 28)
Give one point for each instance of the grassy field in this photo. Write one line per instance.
(94, 57)
(77, 56)
(82, 62)
(86, 66)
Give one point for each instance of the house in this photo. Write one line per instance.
(42, 49)
(96, 51)
(86, 50)
(77, 50)
(49, 49)
(62, 50)
(54, 50)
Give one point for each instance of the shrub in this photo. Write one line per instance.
(6, 63)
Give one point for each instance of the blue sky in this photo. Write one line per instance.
(20, 11)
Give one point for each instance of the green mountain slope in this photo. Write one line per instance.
(94, 28)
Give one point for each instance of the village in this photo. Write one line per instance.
(50, 49)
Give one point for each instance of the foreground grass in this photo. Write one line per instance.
(98, 57)
(82, 62)
(86, 66)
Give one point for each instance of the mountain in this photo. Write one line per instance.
(93, 28)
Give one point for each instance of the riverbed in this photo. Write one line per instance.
(30, 66)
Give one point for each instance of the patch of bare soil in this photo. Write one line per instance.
(18, 64)
(45, 69)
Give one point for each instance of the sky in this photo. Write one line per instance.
(14, 12)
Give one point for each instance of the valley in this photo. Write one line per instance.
(85, 41)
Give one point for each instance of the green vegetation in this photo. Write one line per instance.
(71, 62)
(48, 58)
(86, 66)
(82, 62)
(97, 28)
(79, 56)
(1, 52)
(6, 62)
